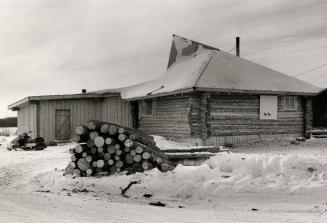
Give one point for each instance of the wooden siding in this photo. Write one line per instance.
(117, 111)
(81, 110)
(170, 118)
(27, 120)
(236, 114)
(111, 109)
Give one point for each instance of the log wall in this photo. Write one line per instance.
(237, 114)
(170, 118)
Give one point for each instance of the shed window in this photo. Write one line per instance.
(290, 103)
(147, 107)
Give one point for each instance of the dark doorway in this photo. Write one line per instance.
(135, 114)
(320, 110)
(62, 126)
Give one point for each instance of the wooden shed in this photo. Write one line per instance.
(210, 97)
(55, 117)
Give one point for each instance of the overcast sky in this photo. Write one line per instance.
(62, 46)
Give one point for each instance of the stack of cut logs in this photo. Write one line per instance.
(105, 148)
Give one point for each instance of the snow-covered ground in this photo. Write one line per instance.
(276, 182)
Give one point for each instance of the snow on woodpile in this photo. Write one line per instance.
(165, 144)
(240, 173)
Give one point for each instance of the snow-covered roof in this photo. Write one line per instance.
(195, 66)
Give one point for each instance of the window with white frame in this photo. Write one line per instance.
(290, 103)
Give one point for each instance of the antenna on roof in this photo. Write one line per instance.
(237, 46)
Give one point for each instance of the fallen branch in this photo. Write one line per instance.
(123, 191)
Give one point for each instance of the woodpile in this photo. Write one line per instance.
(104, 148)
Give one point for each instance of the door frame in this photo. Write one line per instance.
(68, 119)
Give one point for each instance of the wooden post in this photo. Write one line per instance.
(204, 116)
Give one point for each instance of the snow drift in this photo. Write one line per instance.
(224, 173)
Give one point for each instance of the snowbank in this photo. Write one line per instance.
(238, 173)
(165, 144)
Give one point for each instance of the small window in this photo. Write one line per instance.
(147, 107)
(290, 103)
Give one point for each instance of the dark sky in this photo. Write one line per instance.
(62, 46)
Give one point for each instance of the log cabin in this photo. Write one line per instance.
(206, 97)
(211, 97)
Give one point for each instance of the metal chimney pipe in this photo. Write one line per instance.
(237, 46)
(83, 91)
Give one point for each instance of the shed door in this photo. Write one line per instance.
(62, 124)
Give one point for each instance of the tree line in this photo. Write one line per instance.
(8, 122)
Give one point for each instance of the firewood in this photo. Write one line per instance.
(112, 130)
(146, 165)
(93, 150)
(72, 164)
(89, 172)
(146, 155)
(99, 141)
(81, 130)
(80, 138)
(94, 163)
(93, 135)
(82, 164)
(111, 162)
(132, 152)
(112, 169)
(69, 170)
(111, 149)
(108, 148)
(90, 143)
(137, 158)
(128, 143)
(104, 128)
(100, 149)
(84, 154)
(78, 148)
(122, 137)
(71, 151)
(129, 159)
(100, 163)
(119, 164)
(89, 158)
(106, 156)
(109, 141)
(77, 172)
(95, 124)
(159, 160)
(73, 158)
(139, 149)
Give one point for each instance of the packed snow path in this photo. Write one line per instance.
(32, 189)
